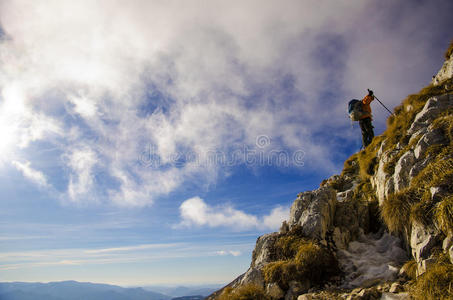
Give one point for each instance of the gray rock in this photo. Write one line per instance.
(417, 134)
(380, 181)
(351, 218)
(419, 166)
(402, 168)
(314, 212)
(424, 265)
(389, 188)
(450, 253)
(381, 148)
(284, 228)
(423, 239)
(399, 296)
(448, 242)
(431, 137)
(274, 291)
(296, 288)
(254, 276)
(432, 109)
(396, 288)
(445, 72)
(340, 183)
(262, 254)
(341, 238)
(344, 196)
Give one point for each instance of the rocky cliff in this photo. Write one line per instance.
(382, 229)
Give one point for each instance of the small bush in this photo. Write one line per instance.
(339, 183)
(435, 283)
(396, 209)
(287, 246)
(367, 162)
(351, 166)
(282, 272)
(444, 214)
(423, 211)
(312, 262)
(244, 292)
(316, 262)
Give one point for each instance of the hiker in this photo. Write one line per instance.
(365, 120)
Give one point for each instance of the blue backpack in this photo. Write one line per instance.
(355, 110)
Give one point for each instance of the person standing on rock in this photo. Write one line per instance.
(365, 120)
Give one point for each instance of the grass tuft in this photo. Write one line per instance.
(288, 245)
(311, 262)
(395, 211)
(423, 211)
(399, 123)
(281, 272)
(444, 214)
(435, 283)
(411, 269)
(244, 292)
(367, 158)
(437, 174)
(351, 166)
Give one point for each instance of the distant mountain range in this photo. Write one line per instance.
(180, 291)
(73, 290)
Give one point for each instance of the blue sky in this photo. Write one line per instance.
(152, 142)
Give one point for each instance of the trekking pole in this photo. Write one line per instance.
(382, 104)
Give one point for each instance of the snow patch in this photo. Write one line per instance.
(373, 257)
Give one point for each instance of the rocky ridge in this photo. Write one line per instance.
(379, 230)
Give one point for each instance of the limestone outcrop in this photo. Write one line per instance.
(385, 220)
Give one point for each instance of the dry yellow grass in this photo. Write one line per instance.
(244, 292)
(435, 284)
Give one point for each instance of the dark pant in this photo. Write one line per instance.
(367, 131)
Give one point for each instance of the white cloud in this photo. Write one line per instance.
(132, 248)
(276, 217)
(218, 68)
(123, 254)
(81, 161)
(83, 106)
(229, 252)
(195, 212)
(34, 175)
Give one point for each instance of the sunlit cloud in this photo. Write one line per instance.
(35, 176)
(229, 252)
(102, 82)
(195, 212)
